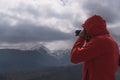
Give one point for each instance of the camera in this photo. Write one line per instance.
(77, 32)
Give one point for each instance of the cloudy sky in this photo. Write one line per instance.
(28, 23)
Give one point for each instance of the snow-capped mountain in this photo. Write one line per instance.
(40, 48)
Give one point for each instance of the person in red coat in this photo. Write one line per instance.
(97, 50)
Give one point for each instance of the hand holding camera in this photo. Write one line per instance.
(83, 34)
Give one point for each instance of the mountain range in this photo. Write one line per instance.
(13, 60)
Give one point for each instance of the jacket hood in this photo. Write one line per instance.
(95, 25)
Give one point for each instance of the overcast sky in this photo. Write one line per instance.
(27, 23)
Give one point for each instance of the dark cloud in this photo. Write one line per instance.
(26, 30)
(106, 11)
(30, 32)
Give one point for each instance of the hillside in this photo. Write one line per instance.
(18, 60)
(56, 73)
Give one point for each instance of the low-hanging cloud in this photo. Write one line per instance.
(29, 32)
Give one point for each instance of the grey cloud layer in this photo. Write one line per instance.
(46, 11)
(28, 32)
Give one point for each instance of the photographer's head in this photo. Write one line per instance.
(95, 25)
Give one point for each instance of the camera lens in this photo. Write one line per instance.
(77, 32)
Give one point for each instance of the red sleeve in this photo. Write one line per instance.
(80, 53)
(79, 42)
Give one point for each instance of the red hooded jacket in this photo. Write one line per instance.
(100, 54)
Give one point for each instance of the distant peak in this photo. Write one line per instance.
(39, 47)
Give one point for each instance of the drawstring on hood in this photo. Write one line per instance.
(95, 25)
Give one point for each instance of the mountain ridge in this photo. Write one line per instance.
(12, 60)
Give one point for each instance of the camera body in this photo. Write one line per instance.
(77, 32)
